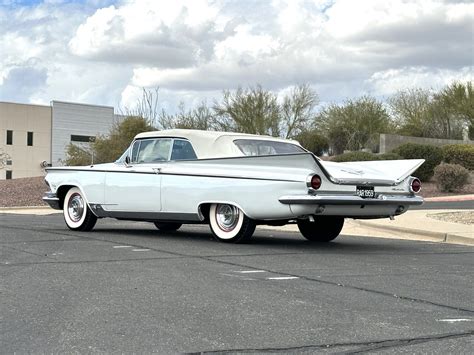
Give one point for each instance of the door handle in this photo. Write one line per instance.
(157, 170)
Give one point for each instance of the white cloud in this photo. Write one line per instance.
(103, 52)
(390, 81)
(165, 34)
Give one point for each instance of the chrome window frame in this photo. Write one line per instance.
(128, 152)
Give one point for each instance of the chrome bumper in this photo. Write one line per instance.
(52, 200)
(381, 200)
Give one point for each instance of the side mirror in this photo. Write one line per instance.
(127, 160)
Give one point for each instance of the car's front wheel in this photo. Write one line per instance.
(167, 226)
(229, 224)
(323, 229)
(77, 213)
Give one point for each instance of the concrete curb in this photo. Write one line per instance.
(26, 208)
(438, 237)
(31, 210)
(453, 198)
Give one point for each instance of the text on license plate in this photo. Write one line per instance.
(365, 191)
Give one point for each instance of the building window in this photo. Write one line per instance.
(8, 174)
(9, 137)
(84, 139)
(9, 162)
(29, 140)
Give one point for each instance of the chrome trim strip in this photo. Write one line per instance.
(160, 171)
(350, 200)
(145, 216)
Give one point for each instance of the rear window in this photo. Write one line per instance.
(254, 147)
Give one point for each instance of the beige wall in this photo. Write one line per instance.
(21, 118)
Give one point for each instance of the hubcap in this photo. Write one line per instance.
(75, 207)
(227, 217)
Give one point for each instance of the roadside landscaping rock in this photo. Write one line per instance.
(22, 192)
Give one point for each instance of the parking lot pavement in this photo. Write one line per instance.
(125, 287)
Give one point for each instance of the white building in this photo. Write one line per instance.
(35, 135)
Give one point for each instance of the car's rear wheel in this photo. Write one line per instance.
(323, 229)
(229, 224)
(167, 226)
(77, 213)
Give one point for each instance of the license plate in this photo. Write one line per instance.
(365, 191)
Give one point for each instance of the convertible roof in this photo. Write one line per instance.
(210, 144)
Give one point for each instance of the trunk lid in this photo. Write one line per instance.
(379, 172)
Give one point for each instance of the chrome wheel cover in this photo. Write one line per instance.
(227, 217)
(75, 207)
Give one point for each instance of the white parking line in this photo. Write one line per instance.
(140, 249)
(250, 271)
(283, 278)
(122, 246)
(455, 320)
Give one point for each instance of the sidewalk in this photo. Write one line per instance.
(416, 225)
(412, 225)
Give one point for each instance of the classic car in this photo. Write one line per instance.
(232, 182)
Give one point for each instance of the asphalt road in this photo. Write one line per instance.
(125, 287)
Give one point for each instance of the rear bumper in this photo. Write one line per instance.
(52, 200)
(345, 200)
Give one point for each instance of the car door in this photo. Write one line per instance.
(135, 187)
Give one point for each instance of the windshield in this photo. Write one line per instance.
(255, 147)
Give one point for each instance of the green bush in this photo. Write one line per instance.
(433, 156)
(451, 177)
(355, 156)
(462, 154)
(389, 156)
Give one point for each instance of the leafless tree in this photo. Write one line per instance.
(297, 110)
(147, 106)
(253, 110)
(3, 159)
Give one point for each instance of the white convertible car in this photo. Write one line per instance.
(232, 182)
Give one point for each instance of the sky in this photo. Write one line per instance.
(104, 52)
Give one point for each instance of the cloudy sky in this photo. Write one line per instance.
(104, 51)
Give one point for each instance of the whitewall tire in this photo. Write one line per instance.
(229, 224)
(77, 214)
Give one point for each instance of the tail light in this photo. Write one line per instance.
(415, 185)
(313, 182)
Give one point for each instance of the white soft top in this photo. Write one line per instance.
(211, 144)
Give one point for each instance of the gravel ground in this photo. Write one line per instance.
(465, 217)
(22, 192)
(29, 191)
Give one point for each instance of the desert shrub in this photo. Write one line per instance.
(451, 177)
(389, 156)
(433, 156)
(462, 154)
(355, 156)
(313, 141)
